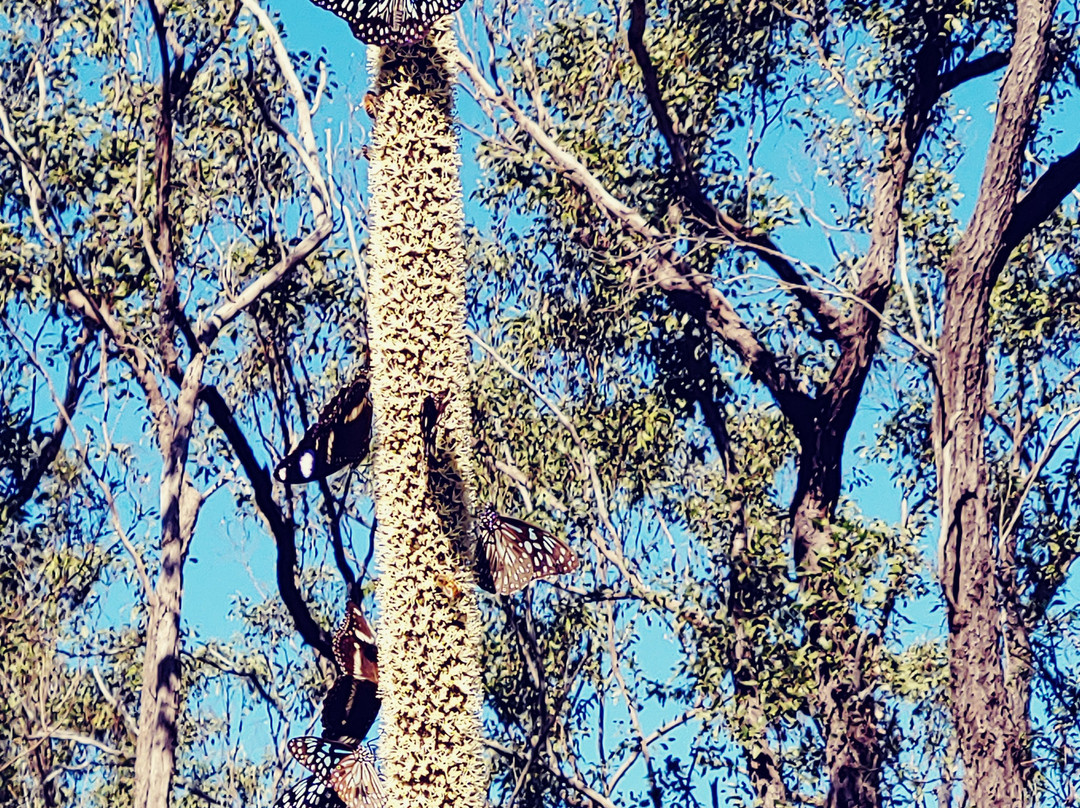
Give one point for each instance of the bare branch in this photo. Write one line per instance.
(282, 530)
(635, 721)
(114, 702)
(573, 782)
(976, 68)
(67, 735)
(1058, 436)
(50, 448)
(691, 291)
(1042, 198)
(308, 153)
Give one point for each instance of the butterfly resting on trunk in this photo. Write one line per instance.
(350, 707)
(341, 437)
(343, 776)
(343, 772)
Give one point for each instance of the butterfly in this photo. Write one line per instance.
(511, 554)
(339, 438)
(341, 775)
(357, 781)
(354, 645)
(349, 709)
(390, 22)
(311, 792)
(318, 755)
(352, 704)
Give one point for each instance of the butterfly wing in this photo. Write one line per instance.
(341, 437)
(512, 553)
(500, 565)
(350, 708)
(318, 755)
(390, 22)
(311, 792)
(354, 646)
(357, 781)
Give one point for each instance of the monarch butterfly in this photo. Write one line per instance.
(390, 22)
(352, 704)
(511, 554)
(339, 438)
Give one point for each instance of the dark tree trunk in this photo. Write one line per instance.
(990, 717)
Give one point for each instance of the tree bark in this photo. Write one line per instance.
(993, 733)
(429, 664)
(159, 705)
(846, 704)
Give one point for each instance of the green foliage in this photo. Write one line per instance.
(678, 474)
(674, 483)
(79, 118)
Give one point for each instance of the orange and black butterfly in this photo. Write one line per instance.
(511, 554)
(341, 437)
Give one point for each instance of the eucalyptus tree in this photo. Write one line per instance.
(998, 574)
(161, 181)
(670, 286)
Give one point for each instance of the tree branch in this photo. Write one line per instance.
(575, 783)
(691, 291)
(822, 309)
(65, 410)
(333, 520)
(1042, 198)
(966, 71)
(283, 530)
(308, 153)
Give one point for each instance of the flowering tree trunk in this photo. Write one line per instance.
(429, 664)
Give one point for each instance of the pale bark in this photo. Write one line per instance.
(429, 664)
(155, 751)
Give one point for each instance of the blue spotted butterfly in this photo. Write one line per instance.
(390, 22)
(341, 775)
(511, 554)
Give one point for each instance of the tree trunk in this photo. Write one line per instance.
(159, 704)
(845, 707)
(429, 664)
(993, 733)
